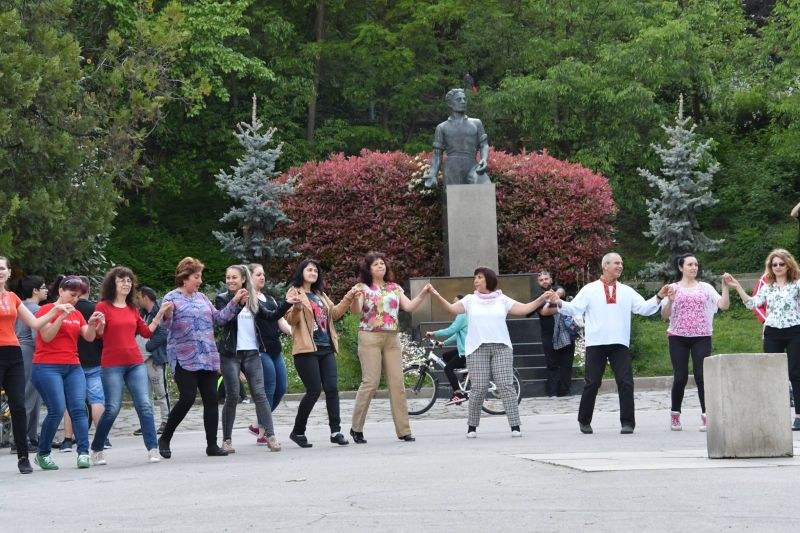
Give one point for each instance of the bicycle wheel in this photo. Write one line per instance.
(421, 389)
(493, 404)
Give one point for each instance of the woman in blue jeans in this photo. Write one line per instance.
(121, 360)
(57, 373)
(270, 324)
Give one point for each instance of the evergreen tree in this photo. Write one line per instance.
(684, 190)
(256, 197)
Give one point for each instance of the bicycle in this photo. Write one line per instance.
(422, 386)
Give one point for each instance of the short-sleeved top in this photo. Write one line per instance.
(486, 320)
(63, 348)
(119, 336)
(8, 316)
(692, 312)
(89, 353)
(783, 304)
(381, 306)
(26, 335)
(321, 317)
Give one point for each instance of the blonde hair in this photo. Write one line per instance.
(792, 270)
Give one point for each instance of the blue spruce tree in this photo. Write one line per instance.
(256, 197)
(683, 191)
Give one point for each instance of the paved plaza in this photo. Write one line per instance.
(552, 479)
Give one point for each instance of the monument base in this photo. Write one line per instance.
(748, 411)
(470, 228)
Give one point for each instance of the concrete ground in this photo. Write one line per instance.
(552, 479)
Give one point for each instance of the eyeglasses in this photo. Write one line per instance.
(125, 281)
(42, 288)
(776, 264)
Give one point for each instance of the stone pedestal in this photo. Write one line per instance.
(470, 228)
(747, 406)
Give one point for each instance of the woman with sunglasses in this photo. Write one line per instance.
(57, 372)
(781, 292)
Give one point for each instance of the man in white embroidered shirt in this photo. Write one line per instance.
(606, 306)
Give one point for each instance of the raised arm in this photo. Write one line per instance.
(724, 301)
(410, 306)
(520, 309)
(749, 301)
(49, 330)
(456, 308)
(24, 314)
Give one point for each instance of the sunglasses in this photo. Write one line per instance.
(777, 264)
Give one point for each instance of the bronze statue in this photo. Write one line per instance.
(461, 137)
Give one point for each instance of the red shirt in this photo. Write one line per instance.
(8, 315)
(63, 349)
(119, 337)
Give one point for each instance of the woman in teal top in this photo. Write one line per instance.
(455, 333)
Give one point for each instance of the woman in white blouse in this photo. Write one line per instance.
(781, 292)
(488, 346)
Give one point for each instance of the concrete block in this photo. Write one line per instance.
(747, 405)
(470, 227)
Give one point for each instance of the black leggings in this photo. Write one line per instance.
(679, 350)
(12, 379)
(317, 371)
(189, 383)
(452, 361)
(779, 340)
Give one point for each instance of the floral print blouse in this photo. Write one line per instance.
(782, 304)
(381, 305)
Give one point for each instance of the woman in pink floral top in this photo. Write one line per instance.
(379, 343)
(690, 306)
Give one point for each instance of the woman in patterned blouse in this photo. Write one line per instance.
(690, 306)
(378, 301)
(781, 292)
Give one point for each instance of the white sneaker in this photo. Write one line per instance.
(675, 421)
(703, 423)
(516, 433)
(227, 445)
(98, 458)
(472, 435)
(152, 455)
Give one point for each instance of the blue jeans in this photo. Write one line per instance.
(275, 379)
(62, 387)
(135, 379)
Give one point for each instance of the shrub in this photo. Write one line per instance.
(551, 214)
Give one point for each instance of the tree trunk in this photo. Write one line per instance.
(319, 27)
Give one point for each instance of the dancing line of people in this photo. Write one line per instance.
(39, 348)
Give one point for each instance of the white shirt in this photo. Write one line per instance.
(486, 321)
(608, 323)
(245, 330)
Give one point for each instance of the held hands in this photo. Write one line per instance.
(552, 297)
(64, 309)
(241, 296)
(547, 296)
(730, 281)
(481, 166)
(294, 300)
(430, 289)
(671, 293)
(355, 292)
(663, 291)
(97, 320)
(166, 309)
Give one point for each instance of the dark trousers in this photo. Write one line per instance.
(188, 384)
(564, 359)
(12, 379)
(680, 349)
(619, 357)
(452, 361)
(317, 371)
(779, 340)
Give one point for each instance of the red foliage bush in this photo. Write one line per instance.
(551, 215)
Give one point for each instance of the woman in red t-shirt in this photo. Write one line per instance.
(12, 368)
(122, 361)
(57, 372)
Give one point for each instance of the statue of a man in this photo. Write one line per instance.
(461, 137)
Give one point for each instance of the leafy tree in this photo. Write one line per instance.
(258, 196)
(684, 190)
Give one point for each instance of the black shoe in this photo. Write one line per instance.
(163, 448)
(215, 451)
(301, 440)
(339, 439)
(358, 437)
(626, 429)
(161, 428)
(24, 466)
(586, 428)
(407, 438)
(137, 432)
